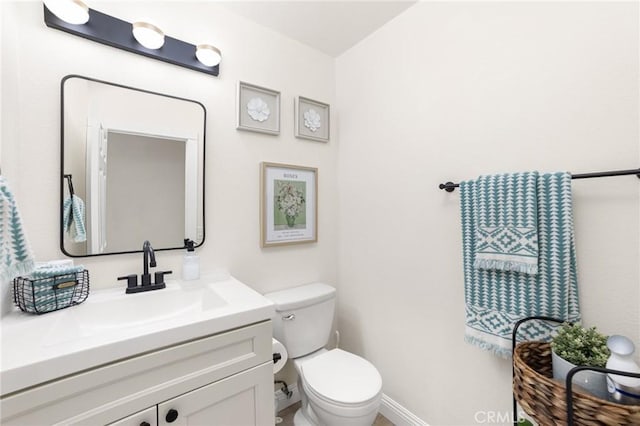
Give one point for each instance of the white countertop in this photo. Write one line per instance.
(111, 325)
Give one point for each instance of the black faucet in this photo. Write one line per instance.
(148, 253)
(148, 260)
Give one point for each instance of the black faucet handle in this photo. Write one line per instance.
(160, 276)
(132, 280)
(145, 279)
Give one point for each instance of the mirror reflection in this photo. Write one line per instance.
(132, 169)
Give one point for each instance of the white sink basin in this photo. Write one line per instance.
(112, 325)
(112, 310)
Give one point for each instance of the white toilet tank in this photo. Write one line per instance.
(304, 316)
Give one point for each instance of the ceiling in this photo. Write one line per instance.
(329, 26)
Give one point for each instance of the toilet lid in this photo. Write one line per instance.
(342, 377)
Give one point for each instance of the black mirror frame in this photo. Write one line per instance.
(62, 174)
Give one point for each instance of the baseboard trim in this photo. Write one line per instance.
(394, 412)
(397, 414)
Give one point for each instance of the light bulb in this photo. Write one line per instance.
(209, 55)
(70, 11)
(148, 35)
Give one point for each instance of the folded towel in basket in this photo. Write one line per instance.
(496, 299)
(50, 270)
(49, 287)
(507, 231)
(15, 254)
(73, 218)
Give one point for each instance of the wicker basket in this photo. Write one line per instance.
(544, 399)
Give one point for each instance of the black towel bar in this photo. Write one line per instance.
(450, 186)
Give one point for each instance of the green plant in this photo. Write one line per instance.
(581, 346)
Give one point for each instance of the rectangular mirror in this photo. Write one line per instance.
(134, 161)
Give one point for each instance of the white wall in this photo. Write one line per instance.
(35, 58)
(9, 91)
(448, 91)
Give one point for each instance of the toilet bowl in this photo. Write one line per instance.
(337, 388)
(341, 388)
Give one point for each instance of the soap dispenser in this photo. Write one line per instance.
(190, 262)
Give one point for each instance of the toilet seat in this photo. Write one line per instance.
(340, 378)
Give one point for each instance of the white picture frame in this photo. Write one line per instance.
(288, 205)
(312, 119)
(258, 109)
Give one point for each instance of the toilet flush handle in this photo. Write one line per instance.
(289, 317)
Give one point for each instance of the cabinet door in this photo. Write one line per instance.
(244, 399)
(148, 417)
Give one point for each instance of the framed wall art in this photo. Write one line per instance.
(258, 109)
(289, 204)
(312, 119)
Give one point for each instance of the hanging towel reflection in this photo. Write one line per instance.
(73, 218)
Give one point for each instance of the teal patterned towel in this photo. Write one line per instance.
(507, 231)
(49, 270)
(494, 299)
(15, 254)
(73, 218)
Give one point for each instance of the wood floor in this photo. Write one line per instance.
(288, 413)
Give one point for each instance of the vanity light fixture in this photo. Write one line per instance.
(209, 55)
(148, 35)
(114, 32)
(74, 12)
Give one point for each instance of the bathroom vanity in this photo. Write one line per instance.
(197, 352)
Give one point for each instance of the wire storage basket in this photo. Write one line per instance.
(49, 294)
(545, 400)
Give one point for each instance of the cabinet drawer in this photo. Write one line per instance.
(114, 391)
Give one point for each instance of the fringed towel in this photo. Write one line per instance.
(495, 300)
(16, 257)
(507, 223)
(73, 218)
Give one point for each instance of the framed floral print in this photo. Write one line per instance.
(258, 109)
(312, 119)
(289, 204)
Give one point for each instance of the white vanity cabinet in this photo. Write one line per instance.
(225, 379)
(235, 401)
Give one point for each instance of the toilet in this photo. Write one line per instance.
(336, 387)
